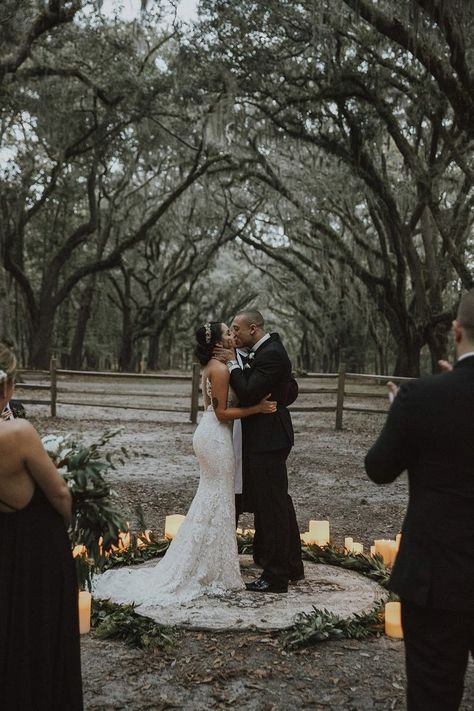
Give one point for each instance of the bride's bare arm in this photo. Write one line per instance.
(218, 374)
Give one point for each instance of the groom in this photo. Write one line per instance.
(266, 444)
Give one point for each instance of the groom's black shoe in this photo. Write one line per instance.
(265, 586)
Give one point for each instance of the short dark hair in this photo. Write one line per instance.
(207, 336)
(252, 316)
(465, 315)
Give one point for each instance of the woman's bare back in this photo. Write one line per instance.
(16, 484)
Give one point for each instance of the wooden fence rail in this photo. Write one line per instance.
(340, 390)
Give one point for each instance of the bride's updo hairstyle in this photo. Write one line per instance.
(207, 336)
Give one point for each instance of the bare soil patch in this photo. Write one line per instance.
(246, 670)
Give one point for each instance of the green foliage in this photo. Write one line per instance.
(321, 625)
(121, 622)
(134, 555)
(96, 520)
(372, 567)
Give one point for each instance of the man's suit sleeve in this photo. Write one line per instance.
(390, 455)
(253, 384)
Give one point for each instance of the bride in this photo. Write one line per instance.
(202, 558)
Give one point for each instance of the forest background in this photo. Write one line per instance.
(311, 158)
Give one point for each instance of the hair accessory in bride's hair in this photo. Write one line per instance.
(3, 376)
(207, 332)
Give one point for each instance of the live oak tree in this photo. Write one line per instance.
(100, 147)
(23, 24)
(341, 325)
(21, 28)
(316, 75)
(331, 142)
(224, 287)
(157, 280)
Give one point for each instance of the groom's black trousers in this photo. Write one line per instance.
(277, 543)
(437, 647)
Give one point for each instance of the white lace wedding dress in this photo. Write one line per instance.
(202, 558)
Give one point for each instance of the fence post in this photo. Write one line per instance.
(54, 385)
(341, 383)
(195, 392)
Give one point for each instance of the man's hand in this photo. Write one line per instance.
(445, 366)
(223, 354)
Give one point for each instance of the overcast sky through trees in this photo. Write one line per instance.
(187, 9)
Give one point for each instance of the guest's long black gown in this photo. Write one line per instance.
(39, 628)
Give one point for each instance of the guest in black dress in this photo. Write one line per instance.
(39, 629)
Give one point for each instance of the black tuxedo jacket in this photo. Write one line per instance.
(269, 372)
(430, 432)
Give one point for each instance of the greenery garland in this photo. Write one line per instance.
(112, 621)
(308, 628)
(97, 525)
(321, 626)
(372, 567)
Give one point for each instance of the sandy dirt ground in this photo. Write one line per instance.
(248, 671)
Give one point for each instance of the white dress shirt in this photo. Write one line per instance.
(237, 433)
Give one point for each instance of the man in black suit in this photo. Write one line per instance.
(265, 448)
(430, 432)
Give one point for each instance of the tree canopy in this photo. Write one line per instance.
(326, 146)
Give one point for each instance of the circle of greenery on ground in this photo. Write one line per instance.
(123, 622)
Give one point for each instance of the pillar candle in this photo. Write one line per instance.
(393, 620)
(372, 550)
(320, 531)
(357, 548)
(79, 551)
(348, 543)
(393, 550)
(172, 524)
(85, 599)
(380, 547)
(307, 538)
(386, 549)
(124, 541)
(398, 539)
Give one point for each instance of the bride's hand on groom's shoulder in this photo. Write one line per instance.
(223, 354)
